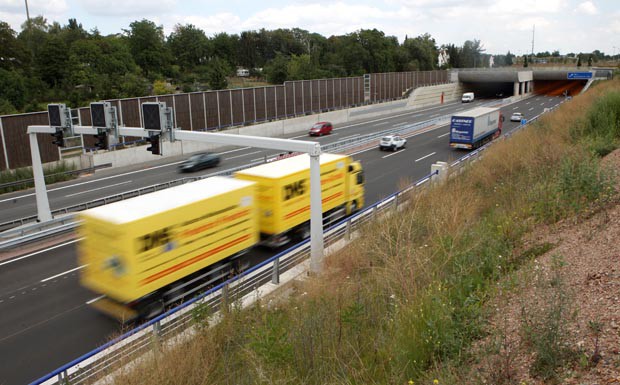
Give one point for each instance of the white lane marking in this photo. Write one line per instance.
(527, 103)
(542, 104)
(299, 136)
(39, 252)
(394, 153)
(515, 107)
(531, 109)
(96, 189)
(434, 115)
(242, 155)
(426, 156)
(378, 124)
(231, 151)
(256, 160)
(115, 176)
(400, 124)
(351, 136)
(441, 136)
(61, 274)
(95, 299)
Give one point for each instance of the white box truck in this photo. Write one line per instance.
(471, 129)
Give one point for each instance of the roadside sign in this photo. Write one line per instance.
(523, 122)
(579, 75)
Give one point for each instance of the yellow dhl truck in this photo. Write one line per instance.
(283, 194)
(144, 254)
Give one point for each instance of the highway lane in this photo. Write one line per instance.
(44, 328)
(115, 181)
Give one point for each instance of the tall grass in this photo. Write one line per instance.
(410, 292)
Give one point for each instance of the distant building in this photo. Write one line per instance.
(242, 72)
(443, 58)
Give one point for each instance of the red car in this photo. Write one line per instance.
(321, 128)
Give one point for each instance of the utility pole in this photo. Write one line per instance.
(533, 31)
(27, 12)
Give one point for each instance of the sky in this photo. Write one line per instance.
(501, 25)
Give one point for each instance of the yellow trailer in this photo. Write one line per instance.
(283, 194)
(145, 253)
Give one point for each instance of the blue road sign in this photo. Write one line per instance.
(579, 75)
(523, 122)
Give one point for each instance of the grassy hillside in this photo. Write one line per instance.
(405, 303)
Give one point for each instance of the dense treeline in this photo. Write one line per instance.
(52, 62)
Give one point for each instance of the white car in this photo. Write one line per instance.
(516, 117)
(392, 142)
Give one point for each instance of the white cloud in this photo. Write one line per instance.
(522, 7)
(129, 8)
(221, 22)
(587, 7)
(335, 18)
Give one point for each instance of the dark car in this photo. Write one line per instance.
(199, 161)
(321, 128)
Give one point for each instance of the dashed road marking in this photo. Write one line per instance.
(426, 156)
(394, 153)
(40, 252)
(63, 274)
(97, 189)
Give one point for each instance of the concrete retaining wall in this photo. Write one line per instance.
(430, 96)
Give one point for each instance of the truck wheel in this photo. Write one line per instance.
(152, 310)
(353, 207)
(302, 233)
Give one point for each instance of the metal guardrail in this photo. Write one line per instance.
(179, 321)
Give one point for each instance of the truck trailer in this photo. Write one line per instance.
(144, 254)
(471, 129)
(148, 252)
(283, 194)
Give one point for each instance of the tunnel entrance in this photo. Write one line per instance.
(490, 90)
(559, 87)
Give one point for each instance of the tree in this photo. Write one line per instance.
(525, 61)
(277, 71)
(218, 70)
(224, 46)
(12, 90)
(422, 52)
(146, 42)
(590, 61)
(189, 46)
(578, 60)
(13, 53)
(301, 68)
(470, 55)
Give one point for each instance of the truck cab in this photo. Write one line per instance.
(355, 187)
